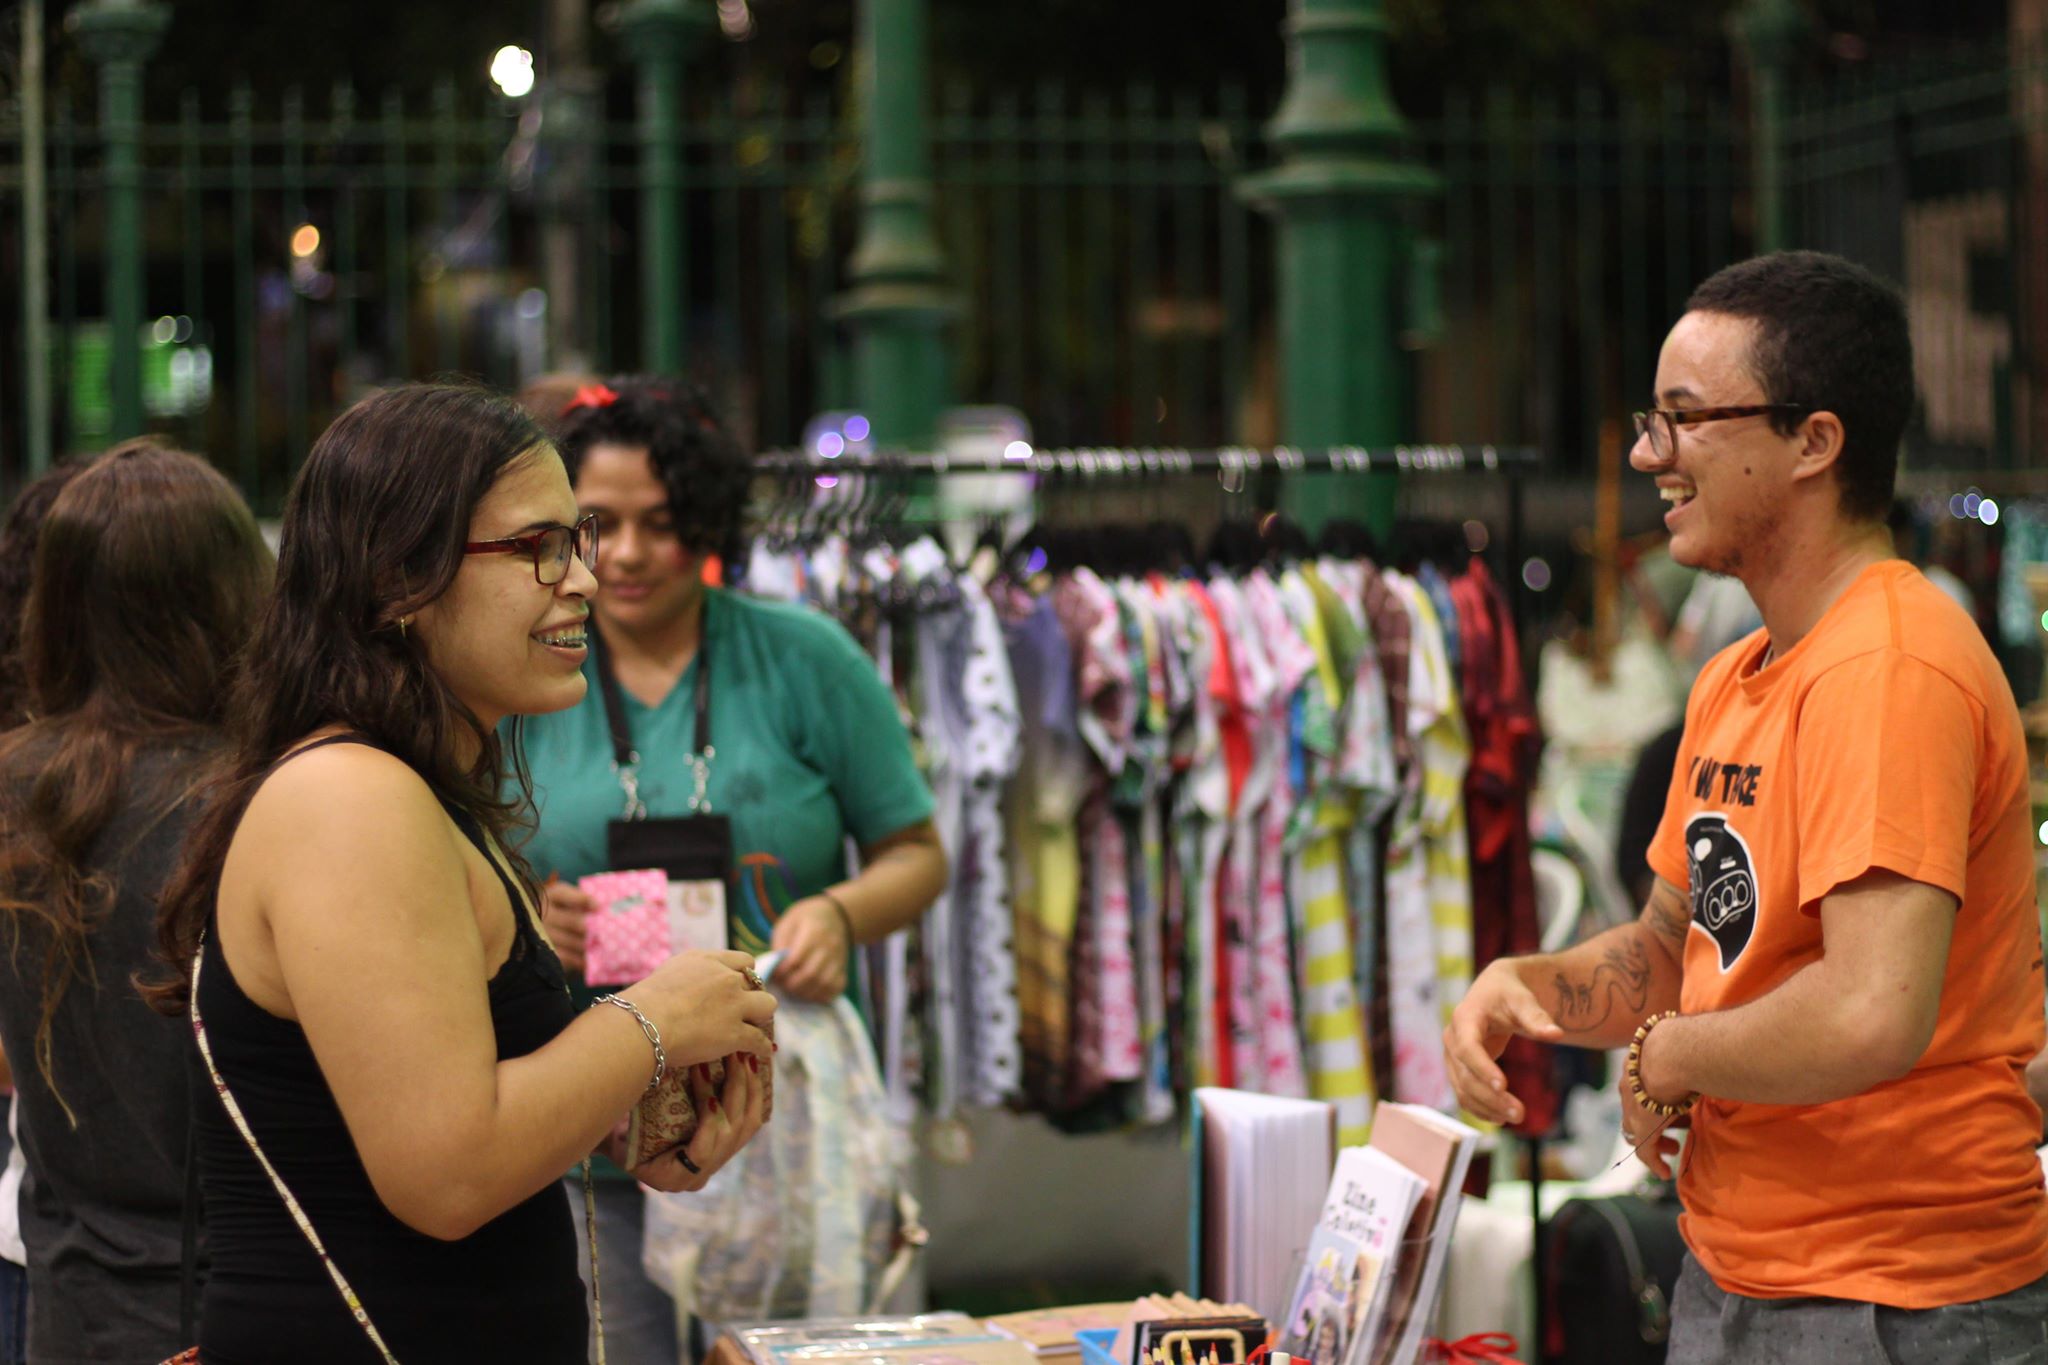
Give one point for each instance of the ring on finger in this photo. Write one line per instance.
(753, 979)
(692, 1167)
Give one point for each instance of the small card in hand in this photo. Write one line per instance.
(639, 917)
(627, 934)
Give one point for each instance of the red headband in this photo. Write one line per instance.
(591, 396)
(603, 396)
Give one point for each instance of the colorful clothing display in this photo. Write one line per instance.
(1206, 829)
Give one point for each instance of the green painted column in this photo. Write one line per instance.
(898, 307)
(572, 115)
(658, 35)
(1768, 32)
(1337, 198)
(119, 36)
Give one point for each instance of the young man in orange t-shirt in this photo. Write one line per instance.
(1837, 981)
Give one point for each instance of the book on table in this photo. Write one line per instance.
(919, 1338)
(1052, 1333)
(1261, 1169)
(1438, 1150)
(1353, 1259)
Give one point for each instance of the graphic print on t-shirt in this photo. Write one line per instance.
(1722, 880)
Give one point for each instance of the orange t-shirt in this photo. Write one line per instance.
(1887, 738)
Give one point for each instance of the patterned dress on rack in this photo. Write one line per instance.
(1106, 1029)
(1250, 682)
(994, 1072)
(1202, 816)
(1146, 773)
(1040, 810)
(1339, 1060)
(1292, 660)
(1429, 928)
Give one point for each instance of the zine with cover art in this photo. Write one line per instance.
(1329, 1300)
(1372, 1199)
(1438, 1150)
(1354, 1258)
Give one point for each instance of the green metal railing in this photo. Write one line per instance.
(1108, 273)
(1572, 232)
(1934, 175)
(1111, 281)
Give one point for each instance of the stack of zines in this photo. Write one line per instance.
(1260, 1168)
(1373, 1271)
(1053, 1333)
(953, 1337)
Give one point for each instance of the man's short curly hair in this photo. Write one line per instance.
(1829, 335)
(695, 457)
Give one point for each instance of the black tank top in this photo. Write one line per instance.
(508, 1291)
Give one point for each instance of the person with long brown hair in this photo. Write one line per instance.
(402, 1074)
(21, 530)
(148, 572)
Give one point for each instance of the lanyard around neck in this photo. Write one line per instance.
(625, 758)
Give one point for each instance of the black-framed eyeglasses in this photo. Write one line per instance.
(550, 549)
(1661, 424)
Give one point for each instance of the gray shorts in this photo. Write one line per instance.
(1710, 1326)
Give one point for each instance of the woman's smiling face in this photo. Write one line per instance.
(650, 578)
(503, 642)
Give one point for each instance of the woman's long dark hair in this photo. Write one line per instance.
(20, 532)
(373, 531)
(149, 573)
(707, 475)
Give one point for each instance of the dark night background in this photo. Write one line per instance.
(1633, 48)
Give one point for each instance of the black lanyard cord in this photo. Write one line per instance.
(624, 756)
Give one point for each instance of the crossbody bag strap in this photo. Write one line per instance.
(227, 1099)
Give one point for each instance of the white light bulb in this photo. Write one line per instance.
(512, 71)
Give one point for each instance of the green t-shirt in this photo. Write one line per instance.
(810, 750)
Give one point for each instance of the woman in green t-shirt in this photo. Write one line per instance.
(807, 748)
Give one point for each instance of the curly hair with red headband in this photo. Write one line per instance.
(696, 458)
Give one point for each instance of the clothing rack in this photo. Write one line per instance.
(1111, 462)
(1232, 465)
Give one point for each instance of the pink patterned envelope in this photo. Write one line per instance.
(628, 928)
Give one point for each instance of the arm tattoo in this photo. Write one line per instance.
(1585, 1000)
(1668, 917)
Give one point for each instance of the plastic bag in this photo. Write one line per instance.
(813, 1217)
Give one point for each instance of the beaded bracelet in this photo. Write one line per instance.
(1633, 1069)
(653, 1036)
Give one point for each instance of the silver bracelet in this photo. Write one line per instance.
(653, 1036)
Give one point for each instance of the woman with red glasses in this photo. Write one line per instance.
(757, 728)
(400, 1074)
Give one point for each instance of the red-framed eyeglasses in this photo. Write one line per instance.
(550, 549)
